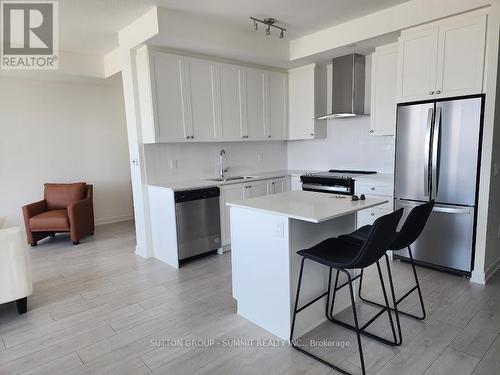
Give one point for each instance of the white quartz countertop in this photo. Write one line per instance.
(203, 183)
(307, 205)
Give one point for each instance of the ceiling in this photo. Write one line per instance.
(90, 26)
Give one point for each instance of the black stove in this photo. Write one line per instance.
(334, 181)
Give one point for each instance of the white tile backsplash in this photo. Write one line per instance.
(349, 145)
(201, 160)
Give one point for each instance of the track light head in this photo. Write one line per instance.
(268, 30)
(282, 34)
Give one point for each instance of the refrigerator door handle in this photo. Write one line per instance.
(436, 132)
(452, 210)
(443, 209)
(427, 151)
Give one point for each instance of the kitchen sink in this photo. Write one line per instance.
(232, 178)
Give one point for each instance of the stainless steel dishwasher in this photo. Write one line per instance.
(197, 216)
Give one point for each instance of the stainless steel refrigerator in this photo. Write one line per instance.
(437, 157)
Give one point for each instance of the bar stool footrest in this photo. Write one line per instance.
(363, 332)
(366, 300)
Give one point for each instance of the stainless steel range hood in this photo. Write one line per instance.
(348, 87)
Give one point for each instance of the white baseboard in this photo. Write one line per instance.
(490, 271)
(478, 277)
(142, 252)
(114, 219)
(483, 277)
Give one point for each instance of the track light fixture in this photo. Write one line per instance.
(269, 22)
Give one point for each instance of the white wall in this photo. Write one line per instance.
(349, 145)
(492, 255)
(63, 132)
(200, 160)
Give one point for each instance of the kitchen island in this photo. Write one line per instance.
(266, 233)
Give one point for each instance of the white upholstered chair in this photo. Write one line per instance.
(15, 275)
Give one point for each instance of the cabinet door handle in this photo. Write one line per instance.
(438, 91)
(372, 188)
(373, 214)
(431, 92)
(312, 134)
(371, 131)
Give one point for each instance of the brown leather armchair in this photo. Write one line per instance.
(65, 208)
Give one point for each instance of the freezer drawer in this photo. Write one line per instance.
(447, 238)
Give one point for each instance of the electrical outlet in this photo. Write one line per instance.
(173, 164)
(260, 157)
(496, 169)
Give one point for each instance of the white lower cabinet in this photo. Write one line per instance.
(257, 189)
(229, 193)
(376, 190)
(296, 183)
(238, 192)
(367, 217)
(278, 186)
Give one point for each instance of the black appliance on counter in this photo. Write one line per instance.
(334, 181)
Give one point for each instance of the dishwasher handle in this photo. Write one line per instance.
(193, 195)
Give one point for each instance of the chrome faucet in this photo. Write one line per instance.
(223, 168)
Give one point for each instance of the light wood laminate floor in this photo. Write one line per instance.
(99, 309)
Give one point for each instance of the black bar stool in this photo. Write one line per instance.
(343, 255)
(410, 231)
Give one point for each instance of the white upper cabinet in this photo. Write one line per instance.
(276, 109)
(186, 99)
(417, 64)
(383, 90)
(461, 56)
(253, 108)
(200, 86)
(230, 92)
(163, 97)
(442, 59)
(307, 100)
